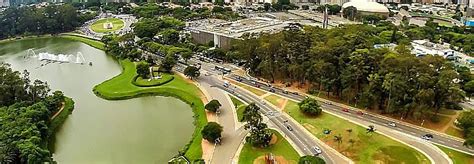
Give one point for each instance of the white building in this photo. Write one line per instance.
(424, 47)
(367, 7)
(4, 3)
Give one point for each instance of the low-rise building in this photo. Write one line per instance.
(424, 47)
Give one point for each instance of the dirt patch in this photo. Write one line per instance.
(274, 139)
(211, 117)
(281, 103)
(278, 159)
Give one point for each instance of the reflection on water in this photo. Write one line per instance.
(141, 130)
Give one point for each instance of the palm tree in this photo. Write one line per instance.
(371, 129)
(338, 139)
(351, 141)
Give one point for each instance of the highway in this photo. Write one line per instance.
(302, 139)
(439, 138)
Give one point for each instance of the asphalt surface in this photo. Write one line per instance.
(438, 138)
(303, 140)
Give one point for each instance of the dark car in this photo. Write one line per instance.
(289, 128)
(295, 93)
(360, 113)
(427, 136)
(272, 90)
(239, 79)
(285, 91)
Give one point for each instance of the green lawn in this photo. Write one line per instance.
(121, 87)
(281, 148)
(165, 78)
(366, 148)
(457, 157)
(254, 90)
(98, 26)
(454, 132)
(90, 42)
(274, 99)
(240, 106)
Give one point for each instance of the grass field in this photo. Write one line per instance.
(274, 99)
(255, 91)
(165, 78)
(90, 42)
(120, 87)
(240, 107)
(98, 26)
(281, 148)
(365, 148)
(454, 132)
(457, 157)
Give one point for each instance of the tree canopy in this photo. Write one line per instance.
(260, 135)
(309, 159)
(212, 131)
(310, 106)
(213, 106)
(191, 72)
(25, 111)
(344, 63)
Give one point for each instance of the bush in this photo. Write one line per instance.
(310, 106)
(213, 106)
(212, 131)
(309, 159)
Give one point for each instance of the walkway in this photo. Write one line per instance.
(232, 136)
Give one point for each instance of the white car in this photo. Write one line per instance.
(392, 124)
(317, 150)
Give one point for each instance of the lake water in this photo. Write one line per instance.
(140, 130)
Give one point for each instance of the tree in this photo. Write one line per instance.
(259, 136)
(213, 106)
(267, 6)
(146, 28)
(309, 159)
(192, 72)
(349, 13)
(338, 139)
(168, 63)
(212, 131)
(310, 106)
(469, 88)
(143, 70)
(465, 121)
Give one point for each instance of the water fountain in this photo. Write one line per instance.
(61, 58)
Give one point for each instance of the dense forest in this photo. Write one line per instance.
(51, 19)
(342, 62)
(25, 111)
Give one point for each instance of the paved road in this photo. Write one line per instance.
(439, 138)
(232, 135)
(299, 136)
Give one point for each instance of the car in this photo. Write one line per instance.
(257, 85)
(295, 93)
(285, 91)
(239, 79)
(271, 90)
(427, 137)
(392, 124)
(317, 150)
(360, 113)
(345, 110)
(289, 128)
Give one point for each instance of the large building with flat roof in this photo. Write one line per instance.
(222, 32)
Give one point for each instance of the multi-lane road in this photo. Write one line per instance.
(439, 138)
